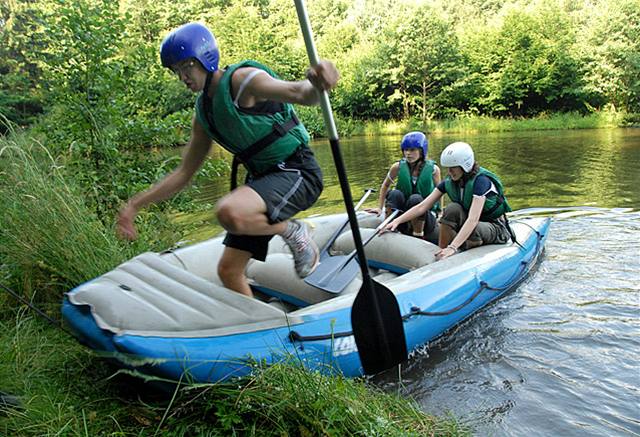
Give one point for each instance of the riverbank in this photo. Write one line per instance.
(483, 124)
(65, 389)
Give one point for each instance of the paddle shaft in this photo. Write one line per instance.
(366, 194)
(334, 141)
(379, 335)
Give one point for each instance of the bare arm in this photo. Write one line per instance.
(467, 228)
(472, 221)
(437, 178)
(384, 188)
(323, 76)
(197, 149)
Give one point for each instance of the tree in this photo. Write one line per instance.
(526, 63)
(20, 101)
(610, 50)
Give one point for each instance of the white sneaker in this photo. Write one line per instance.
(304, 249)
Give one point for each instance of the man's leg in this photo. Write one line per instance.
(231, 269)
(263, 206)
(244, 212)
(395, 200)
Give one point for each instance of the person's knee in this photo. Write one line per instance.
(414, 200)
(230, 218)
(395, 199)
(453, 216)
(453, 210)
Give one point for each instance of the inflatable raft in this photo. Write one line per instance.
(168, 314)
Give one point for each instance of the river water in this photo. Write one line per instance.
(560, 355)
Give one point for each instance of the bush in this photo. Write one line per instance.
(51, 238)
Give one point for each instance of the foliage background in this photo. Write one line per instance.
(92, 67)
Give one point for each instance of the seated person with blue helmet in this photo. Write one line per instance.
(476, 214)
(417, 176)
(246, 109)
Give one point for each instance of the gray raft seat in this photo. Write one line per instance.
(391, 251)
(149, 294)
(278, 278)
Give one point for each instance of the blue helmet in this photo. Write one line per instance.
(191, 40)
(415, 140)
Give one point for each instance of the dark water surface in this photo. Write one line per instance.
(559, 356)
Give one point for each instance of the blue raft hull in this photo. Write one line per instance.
(321, 340)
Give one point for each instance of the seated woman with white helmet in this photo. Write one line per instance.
(475, 215)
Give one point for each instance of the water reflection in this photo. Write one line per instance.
(540, 169)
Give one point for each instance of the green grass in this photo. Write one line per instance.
(67, 390)
(50, 238)
(481, 124)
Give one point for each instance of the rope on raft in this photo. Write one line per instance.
(525, 267)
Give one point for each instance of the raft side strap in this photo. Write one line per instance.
(415, 311)
(295, 336)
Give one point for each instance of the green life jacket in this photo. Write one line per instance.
(423, 186)
(259, 140)
(494, 206)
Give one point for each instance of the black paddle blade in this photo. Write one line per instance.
(378, 328)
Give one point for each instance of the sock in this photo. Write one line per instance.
(418, 234)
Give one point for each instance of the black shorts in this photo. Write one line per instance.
(293, 186)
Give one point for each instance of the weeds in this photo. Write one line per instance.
(65, 389)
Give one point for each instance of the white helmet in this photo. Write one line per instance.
(458, 154)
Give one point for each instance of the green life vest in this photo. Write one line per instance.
(423, 186)
(494, 206)
(259, 140)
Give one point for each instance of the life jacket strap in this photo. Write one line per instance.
(279, 131)
(498, 204)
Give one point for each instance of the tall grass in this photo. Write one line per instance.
(50, 239)
(67, 390)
